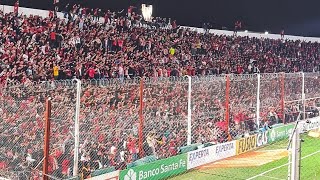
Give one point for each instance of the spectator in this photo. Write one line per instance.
(282, 34)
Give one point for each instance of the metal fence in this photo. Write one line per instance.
(122, 121)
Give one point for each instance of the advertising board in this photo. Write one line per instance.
(279, 133)
(246, 144)
(224, 150)
(200, 157)
(160, 169)
(313, 123)
(210, 154)
(262, 139)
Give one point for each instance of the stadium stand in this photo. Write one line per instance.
(35, 49)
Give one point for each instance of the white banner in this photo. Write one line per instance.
(211, 154)
(262, 139)
(200, 157)
(310, 124)
(225, 150)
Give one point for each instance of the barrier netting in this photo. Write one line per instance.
(127, 123)
(22, 130)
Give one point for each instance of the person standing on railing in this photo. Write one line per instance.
(282, 34)
(16, 8)
(237, 27)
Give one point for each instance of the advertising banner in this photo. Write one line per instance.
(279, 133)
(156, 170)
(262, 139)
(225, 150)
(210, 154)
(200, 157)
(311, 124)
(246, 144)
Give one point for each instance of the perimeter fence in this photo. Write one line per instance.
(124, 121)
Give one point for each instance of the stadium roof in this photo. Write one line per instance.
(296, 17)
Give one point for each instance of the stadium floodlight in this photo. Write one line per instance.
(266, 32)
(147, 12)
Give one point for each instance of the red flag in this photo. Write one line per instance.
(16, 7)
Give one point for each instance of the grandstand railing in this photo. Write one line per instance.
(122, 122)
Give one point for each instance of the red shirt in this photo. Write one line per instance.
(168, 72)
(239, 69)
(130, 9)
(84, 11)
(53, 36)
(91, 72)
(65, 166)
(16, 7)
(2, 165)
(115, 43)
(51, 162)
(120, 43)
(50, 14)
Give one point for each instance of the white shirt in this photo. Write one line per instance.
(121, 71)
(78, 40)
(112, 149)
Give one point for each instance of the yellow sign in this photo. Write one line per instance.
(246, 144)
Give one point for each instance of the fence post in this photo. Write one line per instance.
(76, 130)
(296, 154)
(227, 105)
(258, 102)
(46, 139)
(282, 97)
(189, 111)
(141, 122)
(303, 97)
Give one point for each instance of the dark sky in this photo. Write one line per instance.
(297, 17)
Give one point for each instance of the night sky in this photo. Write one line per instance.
(296, 17)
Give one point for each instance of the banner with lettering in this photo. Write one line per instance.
(262, 139)
(224, 150)
(160, 169)
(200, 157)
(311, 124)
(210, 154)
(280, 132)
(246, 144)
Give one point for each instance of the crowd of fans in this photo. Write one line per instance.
(83, 45)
